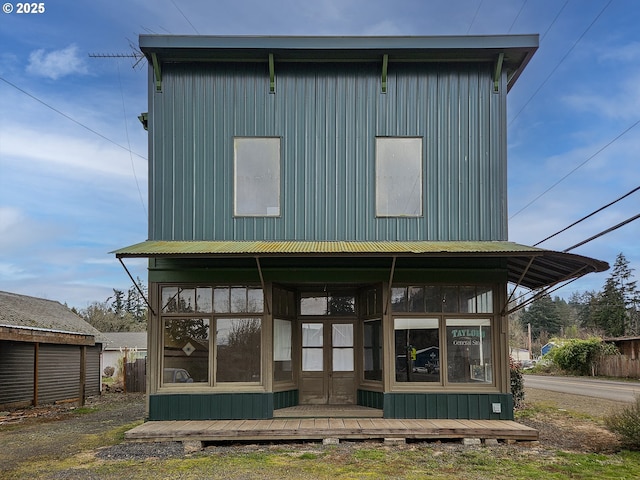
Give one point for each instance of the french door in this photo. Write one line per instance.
(327, 370)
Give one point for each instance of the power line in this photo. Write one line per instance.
(517, 16)
(70, 118)
(588, 216)
(554, 20)
(126, 129)
(608, 230)
(576, 168)
(475, 15)
(560, 62)
(185, 17)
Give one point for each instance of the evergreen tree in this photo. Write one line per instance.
(616, 309)
(543, 316)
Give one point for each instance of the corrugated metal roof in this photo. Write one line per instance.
(517, 49)
(168, 248)
(42, 314)
(528, 266)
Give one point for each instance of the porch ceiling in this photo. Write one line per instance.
(530, 267)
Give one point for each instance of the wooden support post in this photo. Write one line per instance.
(83, 374)
(36, 354)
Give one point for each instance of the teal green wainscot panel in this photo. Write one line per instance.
(468, 406)
(371, 399)
(204, 406)
(288, 398)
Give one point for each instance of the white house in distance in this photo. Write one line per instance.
(119, 344)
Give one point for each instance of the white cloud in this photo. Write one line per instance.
(71, 155)
(56, 64)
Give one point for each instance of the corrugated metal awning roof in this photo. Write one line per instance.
(528, 266)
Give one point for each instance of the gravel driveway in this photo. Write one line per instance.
(59, 431)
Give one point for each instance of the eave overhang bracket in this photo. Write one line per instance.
(385, 65)
(498, 73)
(391, 274)
(144, 297)
(144, 120)
(266, 298)
(272, 74)
(157, 72)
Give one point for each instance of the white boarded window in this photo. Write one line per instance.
(398, 177)
(256, 176)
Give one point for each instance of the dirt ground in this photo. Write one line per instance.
(565, 422)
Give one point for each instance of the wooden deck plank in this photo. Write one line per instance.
(321, 423)
(318, 428)
(307, 423)
(336, 423)
(351, 424)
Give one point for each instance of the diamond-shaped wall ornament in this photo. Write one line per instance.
(188, 349)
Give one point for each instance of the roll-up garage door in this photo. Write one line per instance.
(58, 373)
(16, 373)
(93, 375)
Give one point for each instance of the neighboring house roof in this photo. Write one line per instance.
(528, 266)
(118, 340)
(22, 311)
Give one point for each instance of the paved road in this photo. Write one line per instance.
(611, 390)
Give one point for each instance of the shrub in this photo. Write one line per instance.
(580, 356)
(626, 424)
(109, 371)
(517, 383)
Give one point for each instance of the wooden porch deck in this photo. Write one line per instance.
(328, 424)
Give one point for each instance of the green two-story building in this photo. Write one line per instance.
(328, 225)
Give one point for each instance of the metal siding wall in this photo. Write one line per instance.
(16, 372)
(328, 116)
(93, 375)
(58, 373)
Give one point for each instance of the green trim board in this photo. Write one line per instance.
(469, 406)
(204, 406)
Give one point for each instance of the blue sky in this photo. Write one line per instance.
(70, 190)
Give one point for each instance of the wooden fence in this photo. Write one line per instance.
(135, 376)
(618, 366)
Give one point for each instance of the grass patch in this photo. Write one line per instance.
(354, 462)
(549, 408)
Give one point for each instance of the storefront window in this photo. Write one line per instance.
(417, 349)
(323, 303)
(469, 351)
(282, 365)
(238, 350)
(442, 299)
(466, 341)
(187, 329)
(186, 350)
(373, 350)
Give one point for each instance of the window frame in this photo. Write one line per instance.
(212, 318)
(492, 318)
(275, 169)
(382, 207)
